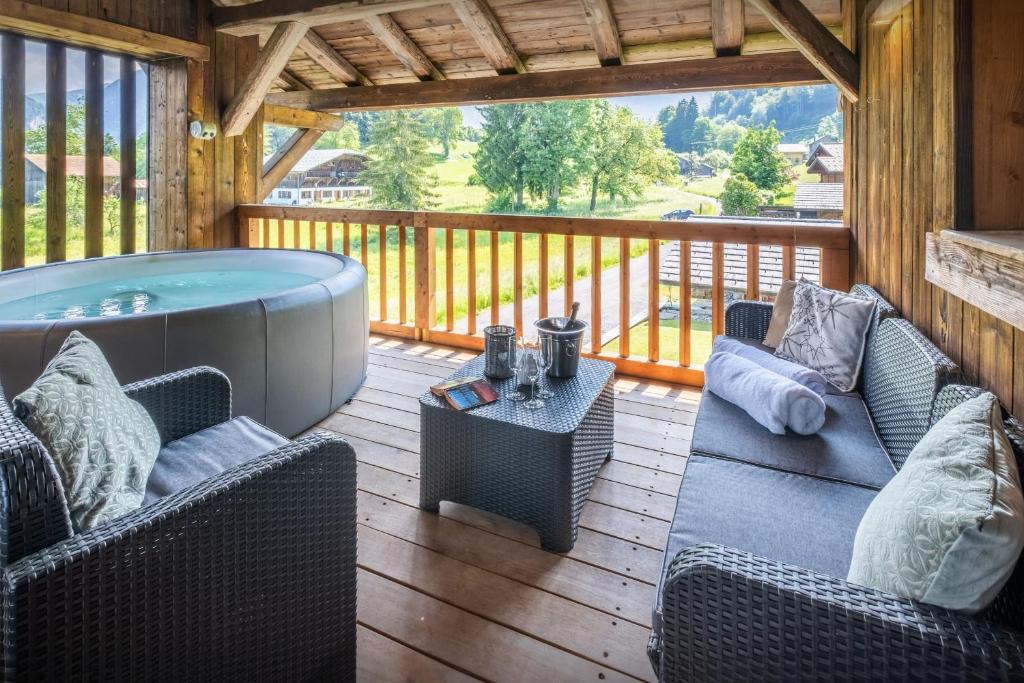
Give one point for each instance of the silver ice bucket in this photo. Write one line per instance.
(563, 345)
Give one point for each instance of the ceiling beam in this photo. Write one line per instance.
(605, 31)
(261, 17)
(321, 52)
(269, 64)
(302, 118)
(727, 27)
(388, 32)
(835, 61)
(783, 68)
(291, 81)
(280, 165)
(479, 19)
(33, 21)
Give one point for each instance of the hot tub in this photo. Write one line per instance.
(289, 328)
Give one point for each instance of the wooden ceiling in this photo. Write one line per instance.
(369, 44)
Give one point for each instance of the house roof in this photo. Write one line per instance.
(818, 196)
(828, 149)
(826, 164)
(808, 265)
(75, 165)
(319, 157)
(792, 148)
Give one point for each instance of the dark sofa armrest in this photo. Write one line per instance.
(184, 402)
(748, 319)
(249, 575)
(730, 615)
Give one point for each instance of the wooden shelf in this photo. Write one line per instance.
(984, 268)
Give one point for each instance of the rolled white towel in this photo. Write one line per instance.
(774, 401)
(812, 379)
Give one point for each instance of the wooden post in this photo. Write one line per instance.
(753, 272)
(426, 285)
(56, 152)
(13, 152)
(93, 153)
(835, 269)
(717, 288)
(128, 155)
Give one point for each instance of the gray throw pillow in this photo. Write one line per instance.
(827, 332)
(103, 443)
(949, 527)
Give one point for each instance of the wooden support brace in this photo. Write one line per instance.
(321, 52)
(269, 65)
(388, 32)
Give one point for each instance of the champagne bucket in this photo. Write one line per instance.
(563, 345)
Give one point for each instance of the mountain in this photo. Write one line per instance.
(35, 106)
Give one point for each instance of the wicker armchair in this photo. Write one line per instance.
(249, 575)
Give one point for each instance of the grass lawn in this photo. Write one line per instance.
(700, 341)
(35, 234)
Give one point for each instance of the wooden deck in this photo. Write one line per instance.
(467, 595)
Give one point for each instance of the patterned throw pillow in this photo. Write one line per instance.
(949, 527)
(827, 332)
(103, 443)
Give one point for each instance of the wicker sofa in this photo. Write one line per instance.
(753, 586)
(249, 575)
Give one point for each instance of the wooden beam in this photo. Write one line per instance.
(728, 25)
(261, 17)
(321, 52)
(127, 155)
(56, 151)
(93, 153)
(34, 21)
(292, 81)
(302, 118)
(835, 61)
(269, 65)
(282, 163)
(784, 68)
(604, 30)
(12, 232)
(479, 19)
(388, 32)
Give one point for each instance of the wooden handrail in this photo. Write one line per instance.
(828, 242)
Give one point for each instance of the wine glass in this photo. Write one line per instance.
(531, 371)
(546, 347)
(517, 356)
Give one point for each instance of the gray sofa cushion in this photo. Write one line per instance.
(846, 449)
(791, 518)
(207, 453)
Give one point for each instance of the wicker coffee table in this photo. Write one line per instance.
(533, 466)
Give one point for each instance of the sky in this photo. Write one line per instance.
(35, 68)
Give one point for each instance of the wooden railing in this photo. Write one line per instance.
(485, 260)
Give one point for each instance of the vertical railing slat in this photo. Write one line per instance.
(266, 233)
(570, 272)
(518, 275)
(128, 155)
(449, 276)
(495, 298)
(364, 247)
(595, 295)
(329, 236)
(789, 262)
(717, 288)
(56, 153)
(471, 283)
(280, 233)
(296, 234)
(312, 235)
(753, 272)
(382, 248)
(346, 239)
(403, 285)
(93, 153)
(624, 297)
(542, 280)
(425, 278)
(653, 301)
(685, 303)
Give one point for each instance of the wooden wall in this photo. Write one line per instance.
(937, 142)
(179, 19)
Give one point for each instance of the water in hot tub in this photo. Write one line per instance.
(153, 293)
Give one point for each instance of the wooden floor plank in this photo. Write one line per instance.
(382, 660)
(568, 625)
(558, 574)
(465, 641)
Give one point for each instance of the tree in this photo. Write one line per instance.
(739, 197)
(758, 158)
(500, 160)
(556, 144)
(346, 138)
(717, 159)
(679, 130)
(35, 139)
(623, 155)
(446, 125)
(727, 135)
(831, 126)
(398, 162)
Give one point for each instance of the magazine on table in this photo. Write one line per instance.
(466, 392)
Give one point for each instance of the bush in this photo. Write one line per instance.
(740, 197)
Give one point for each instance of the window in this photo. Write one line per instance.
(307, 194)
(91, 110)
(284, 194)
